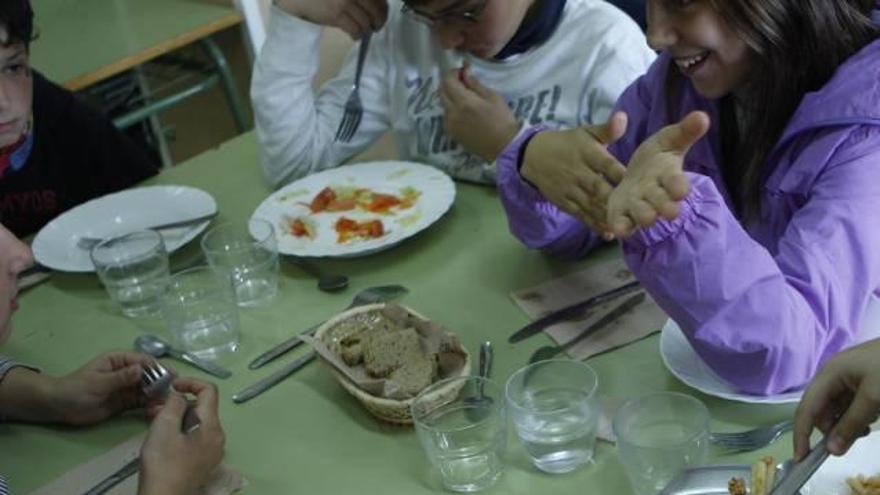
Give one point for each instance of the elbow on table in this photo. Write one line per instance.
(764, 369)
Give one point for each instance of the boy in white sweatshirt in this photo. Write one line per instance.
(562, 62)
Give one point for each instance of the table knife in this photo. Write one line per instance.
(795, 477)
(116, 478)
(569, 312)
(281, 348)
(273, 379)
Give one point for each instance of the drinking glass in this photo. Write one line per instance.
(463, 436)
(658, 436)
(134, 269)
(201, 314)
(554, 407)
(247, 253)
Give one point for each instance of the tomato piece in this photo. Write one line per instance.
(322, 199)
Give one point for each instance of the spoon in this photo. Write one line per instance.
(326, 282)
(478, 404)
(156, 347)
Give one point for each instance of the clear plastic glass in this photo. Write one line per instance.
(660, 435)
(247, 253)
(134, 270)
(465, 437)
(200, 310)
(554, 408)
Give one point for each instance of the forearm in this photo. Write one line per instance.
(285, 112)
(532, 219)
(27, 396)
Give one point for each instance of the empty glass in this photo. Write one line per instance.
(554, 408)
(134, 269)
(249, 254)
(463, 437)
(658, 436)
(200, 310)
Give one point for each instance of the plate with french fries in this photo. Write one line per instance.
(856, 473)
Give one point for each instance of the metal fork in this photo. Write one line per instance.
(752, 439)
(354, 110)
(156, 384)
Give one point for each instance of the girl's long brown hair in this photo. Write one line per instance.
(797, 46)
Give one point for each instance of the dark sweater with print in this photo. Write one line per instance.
(77, 155)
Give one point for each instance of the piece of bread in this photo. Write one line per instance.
(385, 351)
(418, 372)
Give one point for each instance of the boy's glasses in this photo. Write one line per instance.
(470, 15)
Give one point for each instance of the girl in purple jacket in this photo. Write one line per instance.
(749, 200)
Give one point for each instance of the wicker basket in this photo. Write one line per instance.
(388, 410)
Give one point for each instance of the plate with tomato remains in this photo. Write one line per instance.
(358, 209)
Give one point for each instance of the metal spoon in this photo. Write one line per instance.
(478, 404)
(326, 282)
(156, 347)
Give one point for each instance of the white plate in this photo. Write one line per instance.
(118, 214)
(831, 477)
(437, 194)
(683, 362)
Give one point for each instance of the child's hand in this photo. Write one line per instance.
(355, 17)
(655, 182)
(475, 116)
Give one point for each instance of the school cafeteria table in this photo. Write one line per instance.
(307, 435)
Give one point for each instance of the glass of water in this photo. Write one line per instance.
(554, 407)
(463, 436)
(658, 436)
(248, 253)
(134, 269)
(201, 314)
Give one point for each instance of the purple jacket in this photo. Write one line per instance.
(762, 304)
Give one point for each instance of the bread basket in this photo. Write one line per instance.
(389, 410)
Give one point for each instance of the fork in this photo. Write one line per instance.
(354, 110)
(751, 439)
(156, 384)
(371, 295)
(87, 243)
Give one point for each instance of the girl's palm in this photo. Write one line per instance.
(655, 183)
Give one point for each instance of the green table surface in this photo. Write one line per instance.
(82, 41)
(307, 435)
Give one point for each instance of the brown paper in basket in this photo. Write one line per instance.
(434, 339)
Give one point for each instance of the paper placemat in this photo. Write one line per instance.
(84, 477)
(643, 320)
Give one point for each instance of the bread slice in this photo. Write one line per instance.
(386, 351)
(418, 372)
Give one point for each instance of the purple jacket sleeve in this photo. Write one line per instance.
(766, 321)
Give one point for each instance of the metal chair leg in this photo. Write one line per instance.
(227, 82)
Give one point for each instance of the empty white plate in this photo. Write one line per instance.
(683, 362)
(118, 214)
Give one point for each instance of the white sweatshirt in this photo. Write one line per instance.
(573, 78)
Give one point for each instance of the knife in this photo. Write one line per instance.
(795, 477)
(118, 477)
(273, 379)
(569, 312)
(281, 348)
(548, 352)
